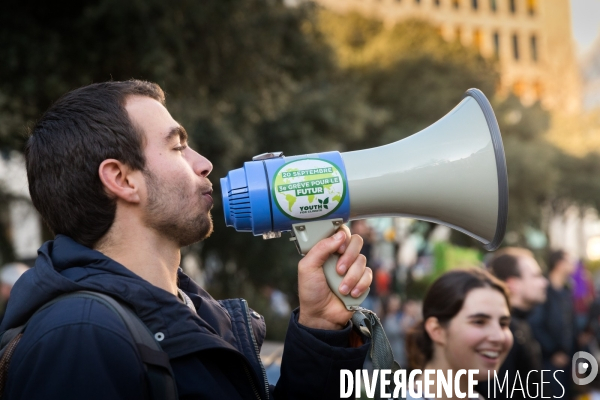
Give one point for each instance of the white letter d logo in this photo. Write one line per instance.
(581, 367)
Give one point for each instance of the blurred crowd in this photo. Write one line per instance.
(554, 314)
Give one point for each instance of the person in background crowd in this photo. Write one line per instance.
(361, 228)
(554, 326)
(465, 325)
(393, 328)
(9, 274)
(519, 270)
(589, 341)
(583, 294)
(411, 315)
(277, 301)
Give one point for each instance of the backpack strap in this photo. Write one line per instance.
(156, 362)
(8, 344)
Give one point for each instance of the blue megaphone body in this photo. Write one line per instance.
(271, 193)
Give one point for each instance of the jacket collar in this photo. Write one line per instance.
(65, 266)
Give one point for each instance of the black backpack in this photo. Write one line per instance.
(159, 375)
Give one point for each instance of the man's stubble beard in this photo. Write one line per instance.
(173, 213)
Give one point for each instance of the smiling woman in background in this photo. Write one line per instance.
(465, 326)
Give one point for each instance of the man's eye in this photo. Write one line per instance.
(180, 148)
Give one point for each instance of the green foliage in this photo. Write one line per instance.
(543, 172)
(521, 122)
(448, 257)
(532, 179)
(234, 62)
(409, 74)
(578, 181)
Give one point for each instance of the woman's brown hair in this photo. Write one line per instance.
(443, 300)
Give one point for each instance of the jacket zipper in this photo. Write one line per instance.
(251, 379)
(256, 351)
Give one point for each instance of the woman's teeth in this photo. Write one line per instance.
(490, 354)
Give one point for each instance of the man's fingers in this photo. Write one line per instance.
(354, 275)
(317, 256)
(363, 284)
(349, 256)
(344, 246)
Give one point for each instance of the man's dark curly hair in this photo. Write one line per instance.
(68, 144)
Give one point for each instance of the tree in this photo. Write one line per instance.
(410, 73)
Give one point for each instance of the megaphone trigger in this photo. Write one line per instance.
(307, 235)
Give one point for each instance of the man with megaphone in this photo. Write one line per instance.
(112, 175)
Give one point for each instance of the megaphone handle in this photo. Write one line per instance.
(307, 234)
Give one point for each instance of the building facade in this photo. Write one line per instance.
(532, 40)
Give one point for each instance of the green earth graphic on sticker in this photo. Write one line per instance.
(291, 200)
(308, 188)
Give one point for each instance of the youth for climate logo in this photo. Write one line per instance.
(309, 188)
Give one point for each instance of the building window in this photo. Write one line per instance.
(436, 2)
(497, 44)
(539, 89)
(519, 88)
(531, 6)
(458, 34)
(493, 5)
(512, 6)
(456, 4)
(418, 1)
(474, 4)
(534, 51)
(477, 39)
(515, 40)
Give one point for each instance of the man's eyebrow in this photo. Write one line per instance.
(479, 315)
(177, 131)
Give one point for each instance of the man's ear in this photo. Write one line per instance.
(120, 180)
(512, 284)
(435, 330)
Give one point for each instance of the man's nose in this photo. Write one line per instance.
(201, 166)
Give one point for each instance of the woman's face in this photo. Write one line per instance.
(478, 337)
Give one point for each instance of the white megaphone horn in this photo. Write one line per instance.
(452, 173)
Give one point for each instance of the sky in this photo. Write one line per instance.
(585, 17)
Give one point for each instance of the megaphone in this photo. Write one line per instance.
(452, 173)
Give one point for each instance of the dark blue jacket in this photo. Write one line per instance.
(78, 349)
(553, 323)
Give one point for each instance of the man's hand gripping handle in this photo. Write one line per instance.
(307, 235)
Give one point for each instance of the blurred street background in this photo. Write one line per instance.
(251, 76)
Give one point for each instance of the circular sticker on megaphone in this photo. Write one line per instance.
(309, 188)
